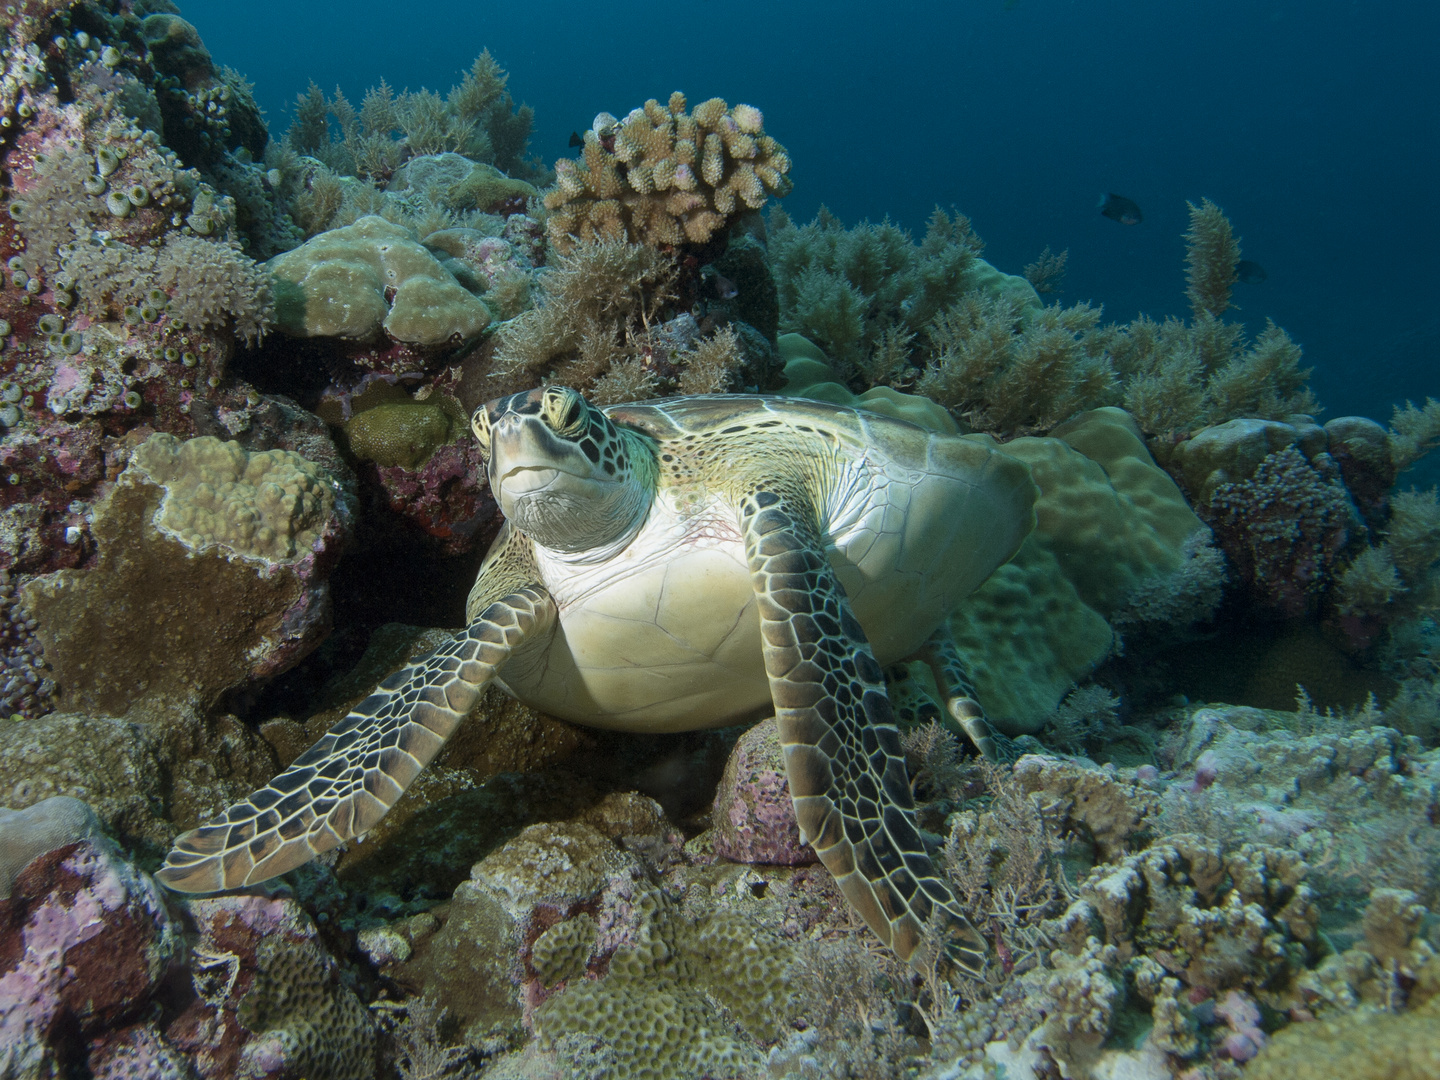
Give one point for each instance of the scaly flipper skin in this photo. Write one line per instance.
(346, 782)
(953, 679)
(842, 751)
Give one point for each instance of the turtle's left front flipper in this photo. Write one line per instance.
(842, 751)
(346, 782)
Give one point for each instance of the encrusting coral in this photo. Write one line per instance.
(663, 176)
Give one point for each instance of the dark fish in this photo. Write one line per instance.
(575, 139)
(725, 289)
(1118, 208)
(1249, 272)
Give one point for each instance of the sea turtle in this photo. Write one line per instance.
(680, 564)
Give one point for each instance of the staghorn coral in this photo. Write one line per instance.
(663, 176)
(1211, 255)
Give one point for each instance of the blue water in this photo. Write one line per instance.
(1312, 123)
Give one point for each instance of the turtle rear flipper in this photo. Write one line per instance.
(952, 677)
(346, 782)
(842, 751)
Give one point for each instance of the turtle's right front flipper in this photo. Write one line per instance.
(346, 782)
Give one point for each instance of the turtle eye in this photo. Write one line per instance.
(480, 425)
(564, 410)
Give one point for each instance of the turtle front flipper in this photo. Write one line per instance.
(346, 782)
(842, 751)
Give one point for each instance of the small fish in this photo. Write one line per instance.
(575, 139)
(1118, 208)
(1249, 272)
(725, 289)
(719, 285)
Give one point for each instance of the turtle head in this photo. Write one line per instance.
(562, 472)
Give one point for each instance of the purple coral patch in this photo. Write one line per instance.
(753, 818)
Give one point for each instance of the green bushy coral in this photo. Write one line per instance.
(478, 119)
(853, 291)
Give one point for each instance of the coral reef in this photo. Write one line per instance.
(86, 945)
(255, 534)
(49, 824)
(372, 276)
(664, 177)
(1233, 891)
(600, 327)
(477, 119)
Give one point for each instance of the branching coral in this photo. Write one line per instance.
(1211, 255)
(601, 326)
(1047, 271)
(663, 176)
(1180, 378)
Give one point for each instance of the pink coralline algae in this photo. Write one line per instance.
(753, 819)
(85, 945)
(447, 496)
(1246, 1038)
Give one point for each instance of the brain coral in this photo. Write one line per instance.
(371, 276)
(665, 176)
(655, 1009)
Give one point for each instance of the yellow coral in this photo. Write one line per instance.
(718, 158)
(1363, 1045)
(654, 1007)
(264, 507)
